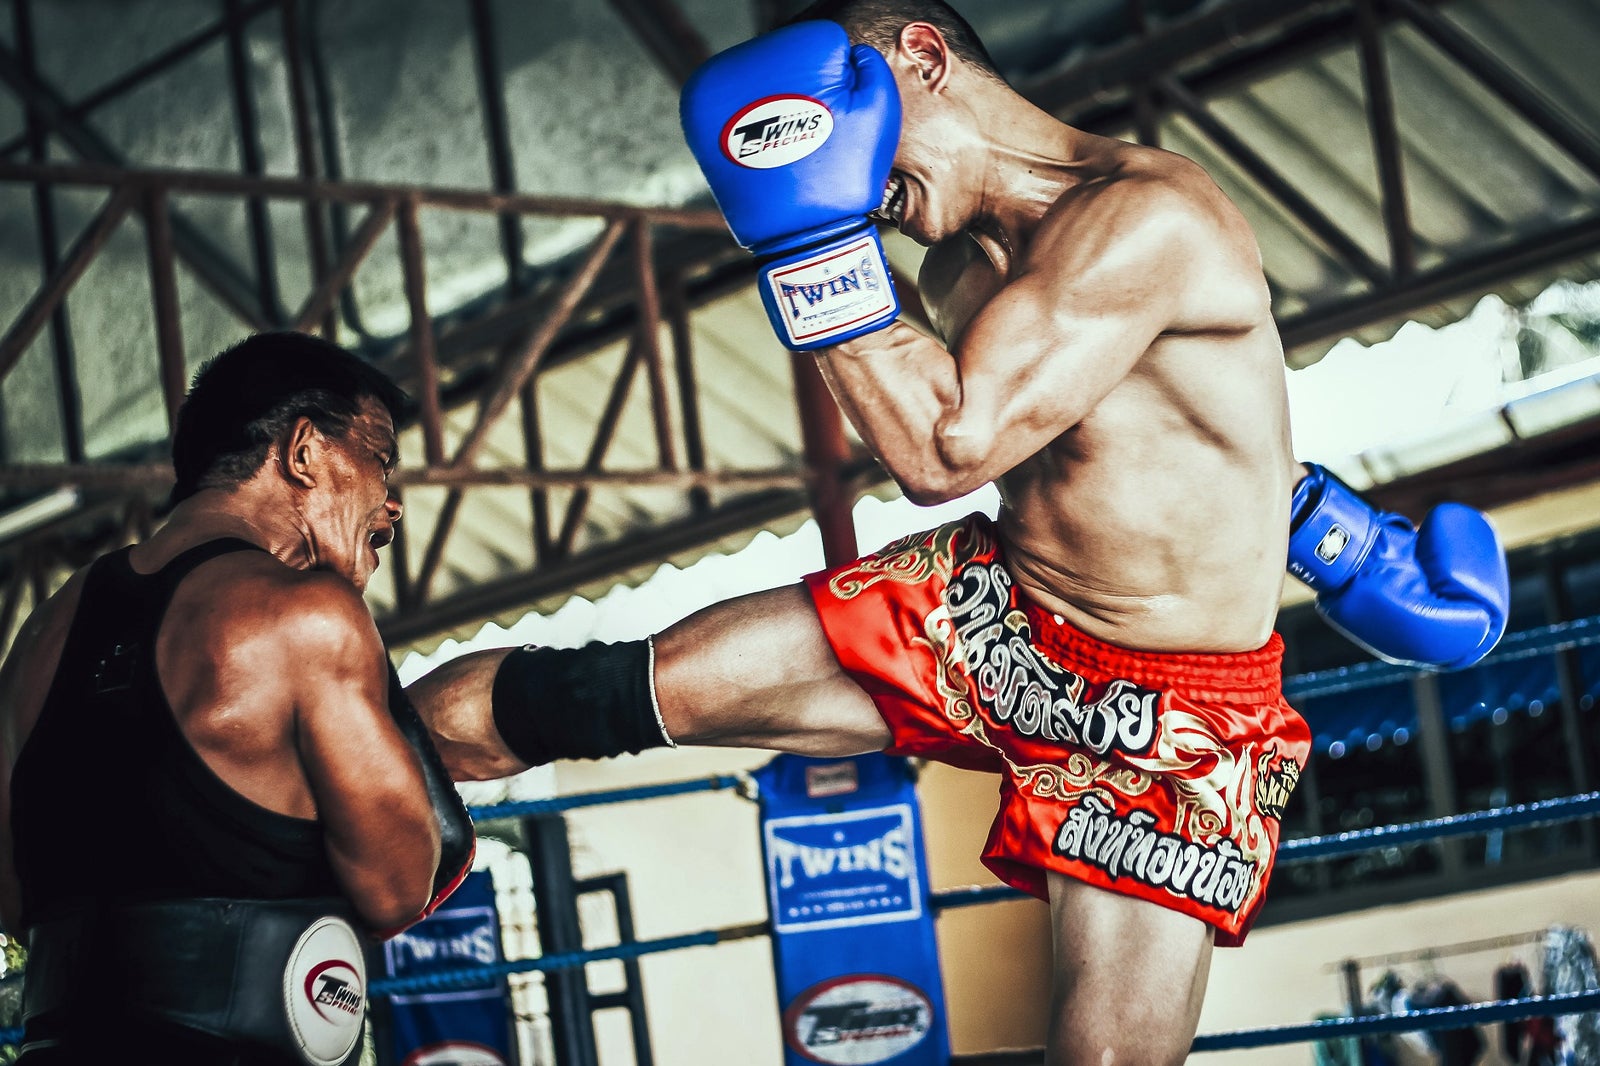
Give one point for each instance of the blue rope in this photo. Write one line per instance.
(1307, 849)
(1543, 812)
(1524, 644)
(967, 895)
(522, 808)
(1504, 1010)
(477, 976)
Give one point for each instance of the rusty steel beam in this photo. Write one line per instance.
(605, 432)
(676, 310)
(827, 454)
(433, 553)
(319, 304)
(212, 267)
(137, 477)
(650, 339)
(166, 60)
(1165, 48)
(416, 286)
(1479, 272)
(694, 533)
(223, 183)
(533, 457)
(1386, 146)
(515, 372)
(1276, 185)
(44, 302)
(164, 292)
(305, 157)
(1536, 108)
(666, 34)
(400, 561)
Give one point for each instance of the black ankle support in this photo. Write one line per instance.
(577, 703)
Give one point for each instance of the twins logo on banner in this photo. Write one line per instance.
(455, 1026)
(826, 871)
(858, 1019)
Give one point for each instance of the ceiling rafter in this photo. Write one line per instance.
(669, 36)
(683, 258)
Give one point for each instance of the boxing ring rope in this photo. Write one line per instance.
(1307, 849)
(557, 804)
(1542, 640)
(1523, 644)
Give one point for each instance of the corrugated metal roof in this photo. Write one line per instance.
(591, 114)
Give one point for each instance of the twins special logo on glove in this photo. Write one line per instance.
(776, 131)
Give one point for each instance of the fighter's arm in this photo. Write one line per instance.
(1101, 281)
(379, 827)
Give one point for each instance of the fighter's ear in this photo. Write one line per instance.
(300, 452)
(923, 48)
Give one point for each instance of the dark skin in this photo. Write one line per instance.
(272, 663)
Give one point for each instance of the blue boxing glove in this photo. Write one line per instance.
(1436, 596)
(796, 131)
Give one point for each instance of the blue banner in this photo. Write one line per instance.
(464, 1026)
(853, 938)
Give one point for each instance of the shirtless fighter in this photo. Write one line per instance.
(211, 777)
(1106, 646)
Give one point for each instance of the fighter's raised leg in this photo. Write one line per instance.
(751, 672)
(758, 672)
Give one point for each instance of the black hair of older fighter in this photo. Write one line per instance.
(248, 396)
(879, 22)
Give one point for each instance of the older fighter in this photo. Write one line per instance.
(211, 777)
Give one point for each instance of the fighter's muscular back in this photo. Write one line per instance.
(1118, 354)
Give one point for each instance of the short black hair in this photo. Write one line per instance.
(879, 22)
(247, 396)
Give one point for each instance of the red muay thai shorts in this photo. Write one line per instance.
(1161, 776)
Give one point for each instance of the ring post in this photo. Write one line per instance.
(852, 929)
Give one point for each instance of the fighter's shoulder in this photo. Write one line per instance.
(305, 611)
(1143, 189)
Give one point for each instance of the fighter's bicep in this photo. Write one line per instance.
(359, 767)
(1052, 343)
(1032, 363)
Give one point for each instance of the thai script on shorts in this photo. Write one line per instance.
(1027, 692)
(1130, 846)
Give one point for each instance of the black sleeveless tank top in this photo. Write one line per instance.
(110, 803)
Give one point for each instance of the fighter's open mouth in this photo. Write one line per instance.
(893, 207)
(380, 538)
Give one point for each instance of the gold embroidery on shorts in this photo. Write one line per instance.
(911, 560)
(1080, 773)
